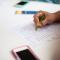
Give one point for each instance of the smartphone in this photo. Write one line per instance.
(22, 3)
(24, 53)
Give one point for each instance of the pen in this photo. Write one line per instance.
(26, 12)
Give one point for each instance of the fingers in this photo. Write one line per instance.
(45, 22)
(39, 23)
(36, 20)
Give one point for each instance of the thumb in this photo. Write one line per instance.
(45, 22)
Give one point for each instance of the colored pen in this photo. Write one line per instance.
(26, 12)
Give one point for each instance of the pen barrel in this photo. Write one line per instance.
(29, 12)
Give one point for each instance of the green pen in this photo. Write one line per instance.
(41, 18)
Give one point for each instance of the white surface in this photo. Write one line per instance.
(17, 30)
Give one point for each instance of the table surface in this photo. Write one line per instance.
(18, 30)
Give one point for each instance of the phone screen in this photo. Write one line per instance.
(26, 55)
(21, 3)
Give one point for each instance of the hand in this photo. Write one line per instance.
(49, 18)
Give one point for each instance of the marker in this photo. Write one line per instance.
(26, 12)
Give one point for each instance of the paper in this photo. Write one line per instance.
(48, 33)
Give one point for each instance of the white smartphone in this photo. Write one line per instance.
(24, 53)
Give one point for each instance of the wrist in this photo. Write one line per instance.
(57, 16)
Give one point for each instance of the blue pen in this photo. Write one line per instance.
(26, 12)
(29, 12)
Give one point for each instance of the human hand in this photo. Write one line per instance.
(48, 19)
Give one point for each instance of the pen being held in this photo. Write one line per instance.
(44, 18)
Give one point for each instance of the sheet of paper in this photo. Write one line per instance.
(48, 33)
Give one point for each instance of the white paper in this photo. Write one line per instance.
(47, 33)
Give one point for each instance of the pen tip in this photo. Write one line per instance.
(36, 28)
